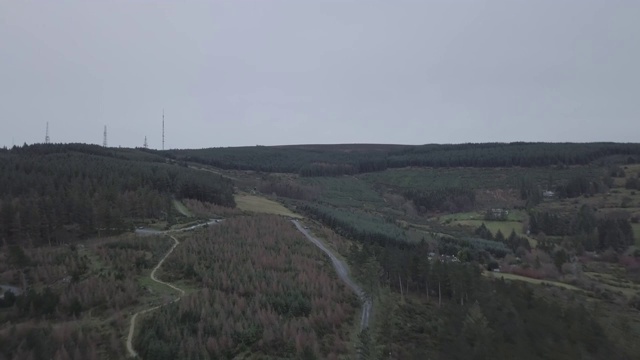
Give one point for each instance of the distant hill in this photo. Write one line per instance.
(55, 191)
(348, 148)
(339, 159)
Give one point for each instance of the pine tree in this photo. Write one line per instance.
(483, 232)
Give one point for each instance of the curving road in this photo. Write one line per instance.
(343, 273)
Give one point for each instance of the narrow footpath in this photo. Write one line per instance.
(343, 273)
(142, 231)
(132, 326)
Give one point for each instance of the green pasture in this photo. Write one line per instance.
(504, 226)
(514, 216)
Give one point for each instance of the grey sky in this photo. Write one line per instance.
(285, 72)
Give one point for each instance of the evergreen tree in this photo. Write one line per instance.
(365, 346)
(483, 232)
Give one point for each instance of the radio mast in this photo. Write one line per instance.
(146, 146)
(46, 137)
(104, 139)
(162, 129)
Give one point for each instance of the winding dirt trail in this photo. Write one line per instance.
(341, 268)
(132, 325)
(343, 273)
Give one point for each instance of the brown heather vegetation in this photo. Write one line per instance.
(268, 293)
(76, 299)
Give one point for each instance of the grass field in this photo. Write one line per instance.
(617, 199)
(504, 226)
(474, 215)
(474, 220)
(615, 283)
(514, 216)
(529, 280)
(632, 169)
(260, 204)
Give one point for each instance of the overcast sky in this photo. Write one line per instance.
(290, 72)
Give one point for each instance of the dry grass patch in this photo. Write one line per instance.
(262, 205)
(181, 208)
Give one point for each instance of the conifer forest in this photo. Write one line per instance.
(475, 251)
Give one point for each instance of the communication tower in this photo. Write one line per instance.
(46, 137)
(146, 146)
(162, 129)
(104, 139)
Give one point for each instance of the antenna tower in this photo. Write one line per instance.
(46, 137)
(146, 146)
(104, 139)
(162, 129)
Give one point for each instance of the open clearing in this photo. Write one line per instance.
(181, 208)
(507, 276)
(504, 226)
(615, 283)
(262, 205)
(513, 216)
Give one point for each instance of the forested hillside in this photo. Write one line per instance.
(55, 193)
(265, 293)
(73, 305)
(510, 154)
(343, 159)
(468, 252)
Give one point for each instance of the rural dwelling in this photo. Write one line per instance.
(500, 213)
(496, 214)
